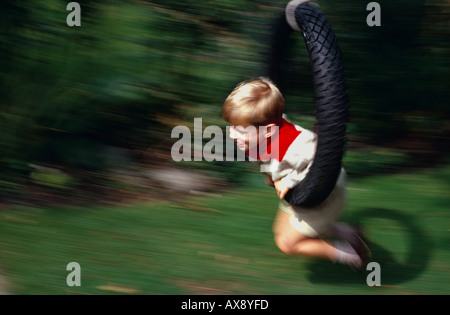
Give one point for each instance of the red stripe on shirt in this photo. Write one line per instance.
(287, 133)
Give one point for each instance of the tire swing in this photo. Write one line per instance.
(331, 100)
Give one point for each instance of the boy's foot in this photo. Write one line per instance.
(347, 255)
(357, 243)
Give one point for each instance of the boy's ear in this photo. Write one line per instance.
(271, 129)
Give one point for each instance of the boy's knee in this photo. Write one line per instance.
(284, 244)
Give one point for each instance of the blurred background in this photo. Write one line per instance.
(77, 103)
(86, 112)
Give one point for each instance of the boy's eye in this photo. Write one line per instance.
(238, 130)
(243, 132)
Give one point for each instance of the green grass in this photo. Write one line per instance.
(224, 245)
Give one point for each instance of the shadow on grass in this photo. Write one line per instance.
(393, 272)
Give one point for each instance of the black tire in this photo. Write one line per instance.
(331, 100)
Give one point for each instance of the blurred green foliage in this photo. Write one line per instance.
(210, 245)
(70, 94)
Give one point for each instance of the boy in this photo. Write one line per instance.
(254, 111)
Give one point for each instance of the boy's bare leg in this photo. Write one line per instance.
(292, 242)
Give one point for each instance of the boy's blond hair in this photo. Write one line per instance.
(256, 102)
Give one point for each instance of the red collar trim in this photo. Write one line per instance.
(279, 143)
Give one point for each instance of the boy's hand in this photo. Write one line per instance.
(281, 189)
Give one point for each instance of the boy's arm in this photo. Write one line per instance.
(299, 162)
(296, 176)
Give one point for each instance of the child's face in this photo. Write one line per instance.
(246, 138)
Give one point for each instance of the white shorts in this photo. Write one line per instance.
(316, 221)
